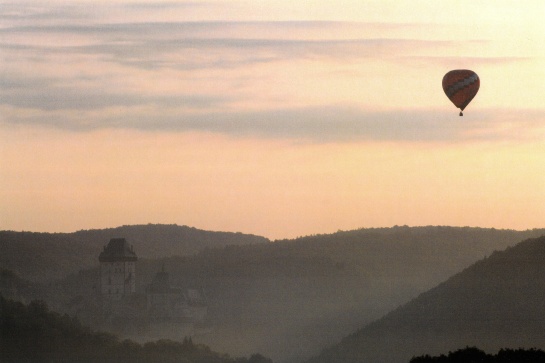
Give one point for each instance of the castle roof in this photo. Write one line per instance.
(118, 249)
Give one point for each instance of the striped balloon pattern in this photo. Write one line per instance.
(461, 86)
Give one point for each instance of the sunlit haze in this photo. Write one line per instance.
(276, 118)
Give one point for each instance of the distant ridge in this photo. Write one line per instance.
(286, 299)
(44, 256)
(499, 302)
(165, 240)
(290, 298)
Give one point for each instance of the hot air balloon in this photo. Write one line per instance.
(460, 86)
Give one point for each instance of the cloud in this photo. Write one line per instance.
(221, 45)
(162, 5)
(65, 13)
(194, 45)
(41, 93)
(455, 61)
(34, 89)
(313, 124)
(336, 123)
(187, 54)
(66, 99)
(32, 12)
(228, 45)
(219, 29)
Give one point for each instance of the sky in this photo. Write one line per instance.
(278, 118)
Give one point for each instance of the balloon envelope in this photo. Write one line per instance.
(460, 86)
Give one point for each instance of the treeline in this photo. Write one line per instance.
(32, 333)
(42, 257)
(289, 299)
(475, 355)
(496, 302)
(286, 300)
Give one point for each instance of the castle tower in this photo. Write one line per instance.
(117, 270)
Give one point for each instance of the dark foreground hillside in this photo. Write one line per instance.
(475, 355)
(31, 333)
(497, 302)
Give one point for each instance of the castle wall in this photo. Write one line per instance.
(162, 303)
(117, 279)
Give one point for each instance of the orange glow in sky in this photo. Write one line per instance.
(277, 118)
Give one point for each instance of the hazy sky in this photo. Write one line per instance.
(280, 118)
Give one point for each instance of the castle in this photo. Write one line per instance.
(117, 271)
(160, 303)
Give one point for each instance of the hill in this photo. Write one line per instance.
(475, 355)
(46, 256)
(32, 333)
(290, 298)
(497, 302)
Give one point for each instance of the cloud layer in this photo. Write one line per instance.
(236, 78)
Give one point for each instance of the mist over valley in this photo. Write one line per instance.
(243, 294)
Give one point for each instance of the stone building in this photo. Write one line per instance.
(117, 270)
(164, 301)
(161, 303)
(168, 303)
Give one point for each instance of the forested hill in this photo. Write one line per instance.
(45, 256)
(475, 355)
(472, 239)
(164, 240)
(289, 299)
(496, 303)
(32, 333)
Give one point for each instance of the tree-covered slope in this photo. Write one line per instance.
(46, 256)
(289, 299)
(475, 355)
(497, 302)
(32, 333)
